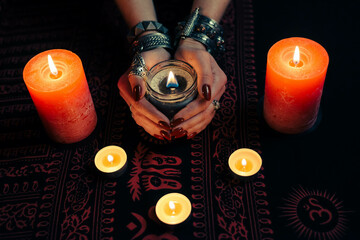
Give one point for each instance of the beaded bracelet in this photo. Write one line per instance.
(202, 29)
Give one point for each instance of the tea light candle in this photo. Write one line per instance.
(111, 161)
(57, 85)
(295, 75)
(173, 208)
(171, 85)
(245, 162)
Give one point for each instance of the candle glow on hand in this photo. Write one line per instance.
(171, 81)
(296, 58)
(52, 66)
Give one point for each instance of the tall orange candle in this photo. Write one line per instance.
(295, 75)
(61, 95)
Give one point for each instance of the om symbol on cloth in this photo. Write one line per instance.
(153, 171)
(315, 214)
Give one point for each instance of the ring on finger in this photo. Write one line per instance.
(138, 66)
(216, 105)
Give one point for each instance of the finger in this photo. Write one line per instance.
(196, 106)
(144, 107)
(125, 88)
(150, 127)
(202, 65)
(138, 87)
(199, 122)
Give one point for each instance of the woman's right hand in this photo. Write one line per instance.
(132, 90)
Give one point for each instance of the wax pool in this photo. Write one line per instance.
(63, 101)
(293, 91)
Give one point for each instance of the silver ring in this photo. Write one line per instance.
(216, 105)
(138, 66)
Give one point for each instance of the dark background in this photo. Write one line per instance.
(327, 158)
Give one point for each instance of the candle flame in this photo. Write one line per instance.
(171, 81)
(110, 158)
(52, 66)
(172, 206)
(296, 58)
(243, 162)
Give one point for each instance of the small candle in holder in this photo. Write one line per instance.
(57, 85)
(173, 208)
(295, 75)
(171, 85)
(245, 162)
(111, 161)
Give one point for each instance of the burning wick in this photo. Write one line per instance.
(52, 66)
(110, 158)
(243, 162)
(172, 83)
(172, 207)
(296, 57)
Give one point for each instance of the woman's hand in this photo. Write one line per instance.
(132, 90)
(211, 85)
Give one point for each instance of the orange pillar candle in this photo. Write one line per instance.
(61, 95)
(294, 84)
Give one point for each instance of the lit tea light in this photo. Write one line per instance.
(173, 208)
(171, 85)
(245, 162)
(111, 161)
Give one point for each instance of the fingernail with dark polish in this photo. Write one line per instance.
(137, 92)
(164, 125)
(176, 122)
(165, 134)
(177, 131)
(206, 91)
(182, 134)
(158, 137)
(191, 135)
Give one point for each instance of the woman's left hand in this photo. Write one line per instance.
(211, 85)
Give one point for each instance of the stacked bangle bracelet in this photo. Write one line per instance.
(159, 38)
(198, 27)
(202, 29)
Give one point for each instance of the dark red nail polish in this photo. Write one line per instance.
(177, 131)
(176, 122)
(158, 137)
(182, 134)
(165, 134)
(137, 92)
(206, 91)
(164, 125)
(191, 135)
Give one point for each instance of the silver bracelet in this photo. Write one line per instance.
(151, 41)
(202, 29)
(143, 27)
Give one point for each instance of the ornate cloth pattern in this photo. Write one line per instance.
(53, 191)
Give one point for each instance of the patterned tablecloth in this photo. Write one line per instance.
(52, 191)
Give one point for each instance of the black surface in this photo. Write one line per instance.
(326, 159)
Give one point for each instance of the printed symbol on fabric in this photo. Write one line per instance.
(139, 225)
(153, 171)
(315, 214)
